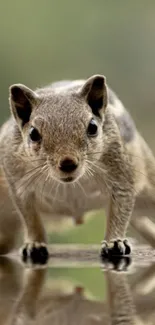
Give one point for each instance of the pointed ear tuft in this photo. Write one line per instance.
(22, 100)
(95, 92)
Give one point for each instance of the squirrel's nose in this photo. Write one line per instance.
(68, 165)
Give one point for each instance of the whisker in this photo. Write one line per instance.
(89, 170)
(56, 192)
(45, 170)
(80, 185)
(29, 158)
(99, 179)
(30, 180)
(33, 172)
(101, 169)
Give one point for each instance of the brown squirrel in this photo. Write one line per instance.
(69, 148)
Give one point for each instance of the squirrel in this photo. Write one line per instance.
(69, 148)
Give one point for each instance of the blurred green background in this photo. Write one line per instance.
(45, 41)
(91, 279)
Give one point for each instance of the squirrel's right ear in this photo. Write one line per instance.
(95, 93)
(22, 100)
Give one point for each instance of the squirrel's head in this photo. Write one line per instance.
(62, 128)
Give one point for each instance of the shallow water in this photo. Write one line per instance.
(76, 287)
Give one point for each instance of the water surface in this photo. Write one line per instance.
(77, 288)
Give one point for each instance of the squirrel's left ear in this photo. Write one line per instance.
(95, 92)
(22, 101)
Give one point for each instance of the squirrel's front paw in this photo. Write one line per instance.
(115, 248)
(35, 252)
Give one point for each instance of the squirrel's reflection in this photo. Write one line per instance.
(25, 300)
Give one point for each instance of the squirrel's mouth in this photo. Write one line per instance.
(67, 179)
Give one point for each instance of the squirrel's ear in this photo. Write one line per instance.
(95, 92)
(22, 100)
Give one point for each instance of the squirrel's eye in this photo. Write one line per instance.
(34, 135)
(92, 128)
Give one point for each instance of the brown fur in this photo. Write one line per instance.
(115, 167)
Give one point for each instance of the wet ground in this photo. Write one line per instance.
(76, 287)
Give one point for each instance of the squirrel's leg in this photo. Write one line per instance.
(24, 203)
(120, 210)
(10, 223)
(35, 238)
(145, 227)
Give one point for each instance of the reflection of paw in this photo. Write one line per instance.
(35, 252)
(115, 248)
(117, 263)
